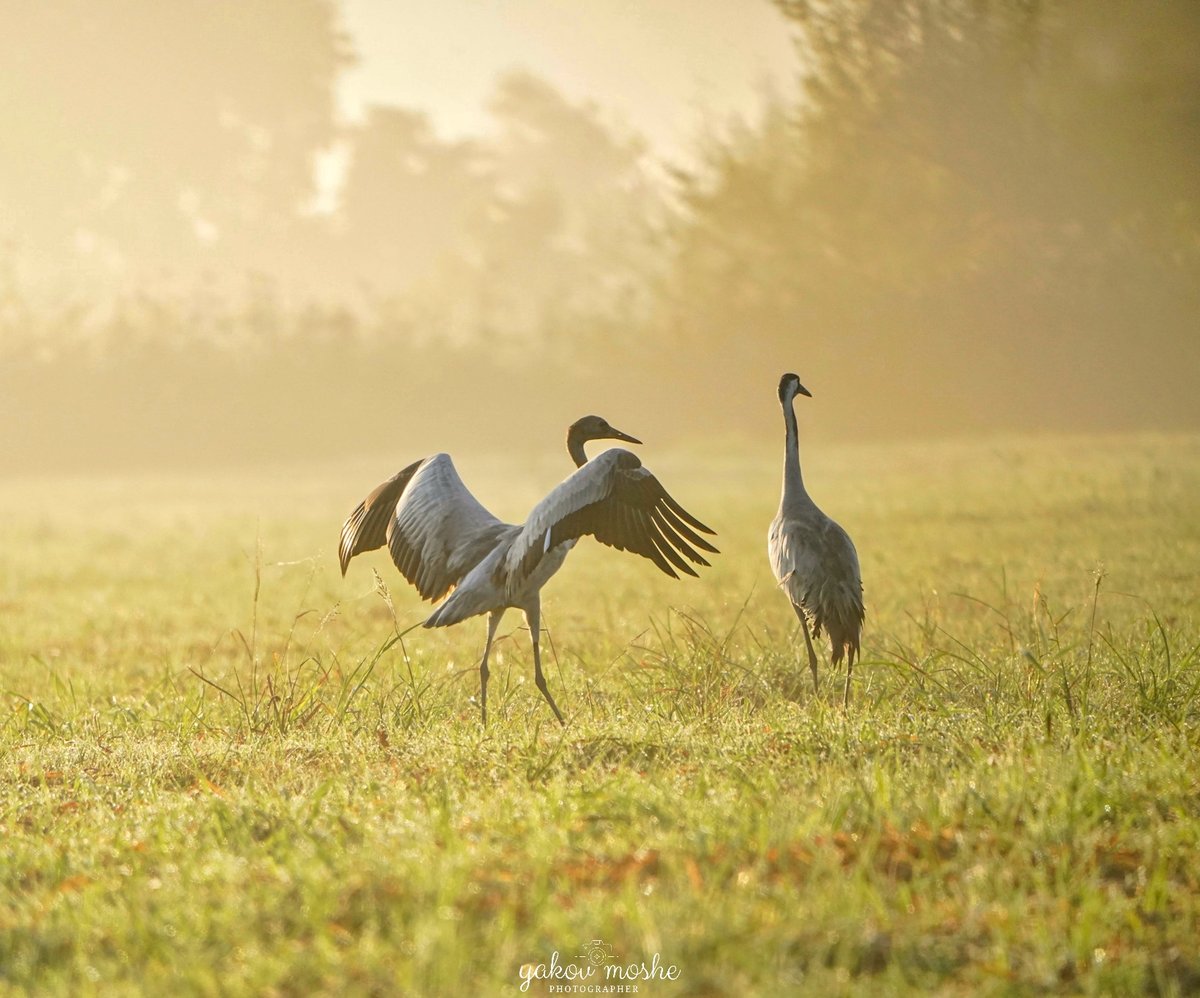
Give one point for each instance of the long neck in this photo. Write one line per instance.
(793, 481)
(575, 448)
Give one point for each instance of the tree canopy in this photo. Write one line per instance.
(978, 214)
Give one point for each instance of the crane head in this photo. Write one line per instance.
(597, 428)
(790, 387)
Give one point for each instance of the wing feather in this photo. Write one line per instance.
(668, 514)
(676, 541)
(435, 530)
(621, 504)
(672, 505)
(669, 552)
(639, 537)
(366, 528)
(440, 531)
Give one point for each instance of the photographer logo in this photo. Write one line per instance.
(597, 953)
(596, 970)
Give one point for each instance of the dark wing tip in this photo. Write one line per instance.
(680, 511)
(367, 527)
(636, 514)
(349, 536)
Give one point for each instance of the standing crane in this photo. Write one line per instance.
(442, 539)
(813, 558)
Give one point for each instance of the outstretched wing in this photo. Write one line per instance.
(366, 528)
(621, 504)
(435, 530)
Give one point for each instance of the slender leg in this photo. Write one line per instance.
(493, 623)
(849, 670)
(812, 655)
(533, 616)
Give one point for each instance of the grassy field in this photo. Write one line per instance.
(223, 776)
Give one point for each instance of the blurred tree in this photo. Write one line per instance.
(408, 200)
(994, 199)
(568, 248)
(542, 234)
(981, 213)
(142, 137)
(460, 260)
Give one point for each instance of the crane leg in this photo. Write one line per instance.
(533, 617)
(849, 671)
(812, 658)
(812, 655)
(493, 623)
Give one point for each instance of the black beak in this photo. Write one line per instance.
(616, 434)
(801, 390)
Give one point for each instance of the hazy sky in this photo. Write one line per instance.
(666, 68)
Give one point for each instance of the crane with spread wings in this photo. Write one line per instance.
(444, 541)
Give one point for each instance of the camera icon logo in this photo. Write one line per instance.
(597, 953)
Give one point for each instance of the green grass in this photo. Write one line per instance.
(224, 775)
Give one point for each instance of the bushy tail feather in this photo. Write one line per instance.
(843, 646)
(840, 612)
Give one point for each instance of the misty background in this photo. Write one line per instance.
(948, 216)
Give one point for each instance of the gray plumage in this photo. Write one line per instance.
(444, 541)
(813, 558)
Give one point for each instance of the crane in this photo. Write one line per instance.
(441, 538)
(813, 557)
